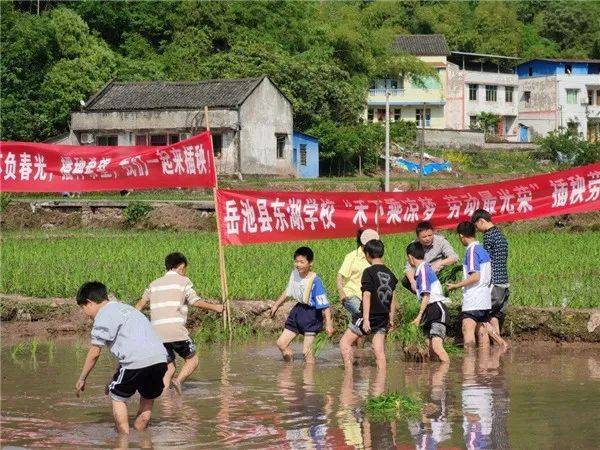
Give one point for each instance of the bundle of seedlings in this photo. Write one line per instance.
(411, 337)
(393, 406)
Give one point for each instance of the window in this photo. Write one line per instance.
(217, 140)
(472, 92)
(530, 71)
(491, 93)
(173, 139)
(472, 121)
(112, 139)
(598, 97)
(280, 140)
(508, 94)
(141, 139)
(568, 69)
(527, 97)
(572, 96)
(302, 154)
(381, 115)
(590, 97)
(393, 84)
(158, 139)
(419, 117)
(370, 115)
(397, 114)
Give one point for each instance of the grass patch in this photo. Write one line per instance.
(392, 406)
(540, 264)
(211, 331)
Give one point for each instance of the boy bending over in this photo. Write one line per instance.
(141, 356)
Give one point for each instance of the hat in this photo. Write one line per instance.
(368, 235)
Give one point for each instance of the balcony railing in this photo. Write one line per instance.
(382, 91)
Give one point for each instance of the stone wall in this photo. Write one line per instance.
(452, 138)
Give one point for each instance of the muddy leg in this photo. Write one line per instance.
(468, 332)
(346, 343)
(191, 364)
(379, 350)
(307, 349)
(144, 414)
(169, 375)
(121, 416)
(437, 344)
(283, 344)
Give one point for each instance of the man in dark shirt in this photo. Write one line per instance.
(495, 243)
(378, 285)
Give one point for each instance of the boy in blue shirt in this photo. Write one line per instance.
(476, 290)
(306, 317)
(132, 340)
(433, 313)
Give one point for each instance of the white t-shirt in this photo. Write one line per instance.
(477, 296)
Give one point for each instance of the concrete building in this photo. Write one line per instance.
(306, 155)
(559, 93)
(251, 120)
(480, 83)
(409, 101)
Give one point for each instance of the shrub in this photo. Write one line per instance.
(563, 146)
(136, 211)
(5, 200)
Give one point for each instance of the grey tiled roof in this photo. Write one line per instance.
(152, 95)
(422, 44)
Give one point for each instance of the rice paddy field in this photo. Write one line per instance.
(546, 268)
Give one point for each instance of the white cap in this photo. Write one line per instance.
(368, 235)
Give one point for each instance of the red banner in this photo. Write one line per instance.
(32, 167)
(248, 217)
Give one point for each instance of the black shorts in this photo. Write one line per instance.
(499, 301)
(379, 324)
(478, 315)
(148, 381)
(185, 349)
(305, 320)
(434, 320)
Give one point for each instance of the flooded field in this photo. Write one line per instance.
(245, 397)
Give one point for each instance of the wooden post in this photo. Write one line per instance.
(222, 268)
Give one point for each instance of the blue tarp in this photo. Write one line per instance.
(428, 168)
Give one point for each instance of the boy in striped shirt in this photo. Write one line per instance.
(433, 313)
(169, 297)
(476, 290)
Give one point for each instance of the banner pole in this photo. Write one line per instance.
(222, 267)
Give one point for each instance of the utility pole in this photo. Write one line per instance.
(422, 147)
(387, 140)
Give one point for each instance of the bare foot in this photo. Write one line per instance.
(288, 357)
(176, 384)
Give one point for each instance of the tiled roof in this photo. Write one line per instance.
(422, 44)
(152, 95)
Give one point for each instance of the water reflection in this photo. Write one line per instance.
(246, 398)
(484, 400)
(433, 427)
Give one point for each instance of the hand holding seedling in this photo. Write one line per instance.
(452, 286)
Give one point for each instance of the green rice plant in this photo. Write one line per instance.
(393, 406)
(453, 349)
(127, 261)
(320, 342)
(18, 349)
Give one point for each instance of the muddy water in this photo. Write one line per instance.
(245, 397)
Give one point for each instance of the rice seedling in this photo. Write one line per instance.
(320, 342)
(392, 406)
(453, 349)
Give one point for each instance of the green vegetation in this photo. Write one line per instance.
(322, 55)
(31, 347)
(52, 264)
(392, 406)
(565, 146)
(136, 211)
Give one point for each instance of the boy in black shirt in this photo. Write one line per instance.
(377, 308)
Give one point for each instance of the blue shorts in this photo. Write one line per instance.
(305, 320)
(478, 315)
